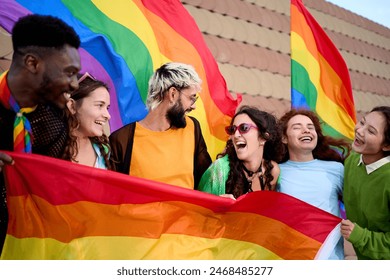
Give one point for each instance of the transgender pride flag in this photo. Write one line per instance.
(123, 42)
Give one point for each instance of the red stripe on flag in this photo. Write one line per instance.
(68, 183)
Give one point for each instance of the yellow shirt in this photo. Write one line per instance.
(164, 156)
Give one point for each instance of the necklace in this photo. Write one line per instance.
(252, 175)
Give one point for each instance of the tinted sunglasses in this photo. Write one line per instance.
(75, 93)
(86, 75)
(242, 128)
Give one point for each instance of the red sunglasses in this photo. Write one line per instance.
(242, 128)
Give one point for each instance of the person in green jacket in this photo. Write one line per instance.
(367, 187)
(249, 161)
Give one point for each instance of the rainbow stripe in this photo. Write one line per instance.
(22, 126)
(124, 41)
(78, 212)
(319, 76)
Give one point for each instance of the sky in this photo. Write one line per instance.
(375, 10)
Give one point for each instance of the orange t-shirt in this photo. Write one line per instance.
(164, 156)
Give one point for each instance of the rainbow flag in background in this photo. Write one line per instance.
(319, 75)
(123, 42)
(79, 212)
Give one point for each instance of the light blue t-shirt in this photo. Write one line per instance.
(316, 182)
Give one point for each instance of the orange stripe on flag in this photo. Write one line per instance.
(151, 220)
(74, 205)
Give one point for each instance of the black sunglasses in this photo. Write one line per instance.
(242, 128)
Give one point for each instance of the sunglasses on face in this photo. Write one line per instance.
(242, 128)
(193, 99)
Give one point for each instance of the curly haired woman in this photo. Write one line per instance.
(249, 161)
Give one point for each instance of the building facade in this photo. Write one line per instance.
(250, 40)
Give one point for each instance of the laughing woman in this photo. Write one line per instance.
(87, 113)
(367, 187)
(312, 170)
(248, 162)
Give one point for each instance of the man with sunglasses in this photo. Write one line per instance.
(167, 145)
(33, 91)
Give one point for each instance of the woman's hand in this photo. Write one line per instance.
(346, 228)
(228, 195)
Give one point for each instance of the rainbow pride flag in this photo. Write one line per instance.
(320, 79)
(123, 42)
(79, 212)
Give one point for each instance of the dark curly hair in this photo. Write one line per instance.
(85, 88)
(328, 148)
(43, 31)
(237, 183)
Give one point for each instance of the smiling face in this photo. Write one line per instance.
(300, 137)
(59, 76)
(369, 137)
(249, 146)
(92, 113)
(184, 104)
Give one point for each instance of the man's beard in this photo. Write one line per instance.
(45, 87)
(176, 115)
(49, 94)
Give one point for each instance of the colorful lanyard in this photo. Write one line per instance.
(22, 126)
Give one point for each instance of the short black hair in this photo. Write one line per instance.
(43, 31)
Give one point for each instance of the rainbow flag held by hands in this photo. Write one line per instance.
(320, 79)
(123, 42)
(79, 212)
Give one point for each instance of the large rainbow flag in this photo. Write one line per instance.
(63, 210)
(319, 75)
(123, 42)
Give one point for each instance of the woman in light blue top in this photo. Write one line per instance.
(87, 112)
(312, 170)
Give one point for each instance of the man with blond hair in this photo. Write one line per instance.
(167, 145)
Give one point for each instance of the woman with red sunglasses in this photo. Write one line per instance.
(248, 162)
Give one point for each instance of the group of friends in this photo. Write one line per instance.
(48, 108)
